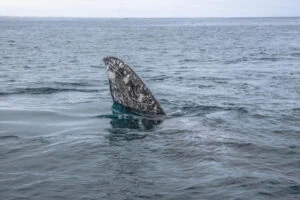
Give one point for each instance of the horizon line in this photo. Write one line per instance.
(144, 17)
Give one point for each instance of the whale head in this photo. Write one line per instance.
(128, 89)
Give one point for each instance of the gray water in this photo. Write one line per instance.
(230, 87)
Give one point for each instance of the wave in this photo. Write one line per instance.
(45, 90)
(198, 110)
(6, 137)
(96, 66)
(77, 84)
(295, 54)
(189, 60)
(205, 86)
(261, 59)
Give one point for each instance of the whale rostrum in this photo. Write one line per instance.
(128, 89)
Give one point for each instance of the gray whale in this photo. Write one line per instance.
(128, 89)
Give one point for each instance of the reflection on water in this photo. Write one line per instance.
(128, 126)
(125, 119)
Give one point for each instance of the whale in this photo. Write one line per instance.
(128, 90)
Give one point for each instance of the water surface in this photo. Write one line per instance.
(231, 88)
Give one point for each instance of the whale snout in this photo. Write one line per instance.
(106, 62)
(113, 63)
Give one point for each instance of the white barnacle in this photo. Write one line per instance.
(126, 79)
(141, 97)
(111, 75)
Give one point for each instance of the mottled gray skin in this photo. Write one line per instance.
(128, 89)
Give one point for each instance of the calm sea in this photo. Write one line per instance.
(231, 89)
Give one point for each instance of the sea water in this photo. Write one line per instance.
(230, 87)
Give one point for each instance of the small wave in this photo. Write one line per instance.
(159, 78)
(4, 93)
(96, 66)
(177, 113)
(5, 137)
(205, 86)
(295, 189)
(200, 109)
(26, 67)
(76, 84)
(296, 109)
(108, 116)
(45, 90)
(295, 54)
(238, 109)
(249, 59)
(211, 78)
(197, 110)
(247, 145)
(272, 59)
(3, 76)
(237, 60)
(188, 60)
(121, 135)
(73, 61)
(143, 48)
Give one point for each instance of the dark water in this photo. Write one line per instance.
(231, 88)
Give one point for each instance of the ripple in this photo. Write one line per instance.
(6, 137)
(188, 60)
(45, 90)
(73, 84)
(295, 54)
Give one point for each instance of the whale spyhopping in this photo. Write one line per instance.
(128, 89)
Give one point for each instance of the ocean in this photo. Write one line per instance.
(230, 88)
